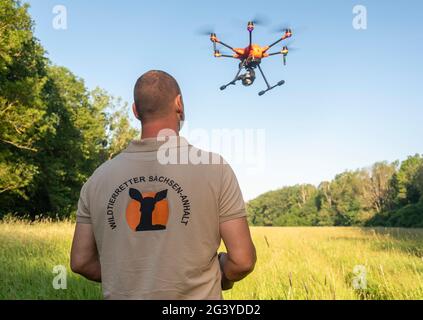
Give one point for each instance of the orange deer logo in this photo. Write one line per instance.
(147, 211)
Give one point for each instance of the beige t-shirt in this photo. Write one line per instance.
(155, 210)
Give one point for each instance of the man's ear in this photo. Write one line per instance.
(134, 110)
(179, 102)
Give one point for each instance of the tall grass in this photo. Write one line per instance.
(28, 254)
(318, 263)
(293, 263)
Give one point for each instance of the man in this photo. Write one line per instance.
(149, 224)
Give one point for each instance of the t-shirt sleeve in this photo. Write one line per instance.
(231, 202)
(83, 214)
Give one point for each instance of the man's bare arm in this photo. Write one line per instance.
(241, 257)
(84, 254)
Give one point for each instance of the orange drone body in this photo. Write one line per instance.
(251, 52)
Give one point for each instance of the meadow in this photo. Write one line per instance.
(293, 263)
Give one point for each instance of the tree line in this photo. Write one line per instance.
(386, 194)
(53, 131)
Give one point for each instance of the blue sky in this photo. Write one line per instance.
(351, 97)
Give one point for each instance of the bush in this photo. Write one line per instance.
(408, 216)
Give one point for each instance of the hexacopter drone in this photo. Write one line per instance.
(250, 58)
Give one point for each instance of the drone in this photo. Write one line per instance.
(250, 58)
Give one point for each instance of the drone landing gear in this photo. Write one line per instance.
(237, 77)
(272, 87)
(267, 83)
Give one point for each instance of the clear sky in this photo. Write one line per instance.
(351, 97)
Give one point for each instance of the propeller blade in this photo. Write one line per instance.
(257, 19)
(290, 49)
(205, 31)
(260, 20)
(289, 42)
(282, 28)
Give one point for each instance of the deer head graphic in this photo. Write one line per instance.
(147, 208)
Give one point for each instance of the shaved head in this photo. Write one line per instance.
(154, 94)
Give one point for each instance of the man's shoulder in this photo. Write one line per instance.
(201, 156)
(105, 168)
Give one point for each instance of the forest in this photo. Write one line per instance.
(385, 194)
(54, 132)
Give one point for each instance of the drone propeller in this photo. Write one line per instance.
(282, 27)
(210, 32)
(205, 30)
(260, 20)
(285, 50)
(288, 44)
(287, 27)
(256, 20)
(293, 49)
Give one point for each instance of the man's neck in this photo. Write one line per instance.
(156, 128)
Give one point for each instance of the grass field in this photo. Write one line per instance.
(293, 263)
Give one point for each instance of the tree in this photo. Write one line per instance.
(339, 201)
(287, 206)
(70, 152)
(22, 113)
(405, 181)
(419, 181)
(54, 132)
(376, 186)
(120, 130)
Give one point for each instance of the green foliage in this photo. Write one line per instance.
(54, 132)
(120, 130)
(382, 195)
(22, 77)
(288, 206)
(341, 199)
(407, 181)
(409, 216)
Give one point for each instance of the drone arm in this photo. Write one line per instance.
(283, 52)
(251, 37)
(225, 45)
(217, 54)
(214, 39)
(276, 42)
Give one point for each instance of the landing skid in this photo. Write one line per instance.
(270, 88)
(236, 78)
